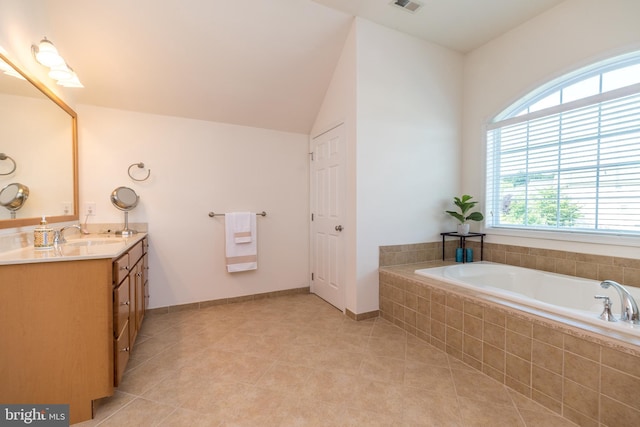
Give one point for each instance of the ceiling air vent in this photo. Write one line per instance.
(408, 5)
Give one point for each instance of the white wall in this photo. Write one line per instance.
(409, 110)
(404, 145)
(198, 167)
(569, 36)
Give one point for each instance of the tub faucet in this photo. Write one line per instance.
(58, 235)
(629, 311)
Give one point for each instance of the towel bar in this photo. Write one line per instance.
(212, 214)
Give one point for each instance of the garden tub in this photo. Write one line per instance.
(557, 294)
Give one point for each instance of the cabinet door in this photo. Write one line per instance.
(139, 293)
(133, 293)
(122, 349)
(121, 307)
(145, 281)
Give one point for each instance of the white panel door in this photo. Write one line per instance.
(328, 214)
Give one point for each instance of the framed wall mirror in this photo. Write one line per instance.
(39, 133)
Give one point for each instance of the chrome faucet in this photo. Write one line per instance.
(629, 311)
(58, 235)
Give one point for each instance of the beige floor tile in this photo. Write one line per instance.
(384, 329)
(383, 369)
(421, 408)
(377, 397)
(297, 361)
(312, 413)
(359, 418)
(331, 359)
(544, 419)
(474, 385)
(348, 341)
(419, 351)
(183, 418)
(424, 376)
(139, 413)
(476, 413)
(330, 387)
(394, 347)
(147, 349)
(285, 378)
(246, 368)
(143, 377)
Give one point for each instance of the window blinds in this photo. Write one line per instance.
(574, 166)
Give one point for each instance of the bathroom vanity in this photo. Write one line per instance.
(69, 317)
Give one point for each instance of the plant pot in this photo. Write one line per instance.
(463, 228)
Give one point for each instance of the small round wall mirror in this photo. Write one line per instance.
(13, 196)
(125, 199)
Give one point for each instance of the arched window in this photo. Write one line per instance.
(567, 156)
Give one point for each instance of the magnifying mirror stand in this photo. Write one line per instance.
(126, 232)
(125, 199)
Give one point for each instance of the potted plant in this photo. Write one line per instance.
(464, 205)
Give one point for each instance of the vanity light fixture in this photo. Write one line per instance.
(47, 54)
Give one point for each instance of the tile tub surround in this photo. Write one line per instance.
(588, 378)
(596, 267)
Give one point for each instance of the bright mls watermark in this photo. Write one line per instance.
(34, 415)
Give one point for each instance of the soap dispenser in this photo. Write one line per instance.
(43, 235)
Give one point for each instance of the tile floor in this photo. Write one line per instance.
(297, 361)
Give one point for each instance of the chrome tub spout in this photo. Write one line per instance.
(629, 311)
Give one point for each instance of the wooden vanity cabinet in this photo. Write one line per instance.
(129, 276)
(57, 334)
(67, 328)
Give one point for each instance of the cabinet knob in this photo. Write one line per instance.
(125, 350)
(126, 267)
(125, 303)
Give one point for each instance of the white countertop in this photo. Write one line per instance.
(90, 246)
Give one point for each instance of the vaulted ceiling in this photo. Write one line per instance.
(262, 63)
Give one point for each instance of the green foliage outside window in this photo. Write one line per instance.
(547, 209)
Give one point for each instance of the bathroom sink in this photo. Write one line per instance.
(93, 242)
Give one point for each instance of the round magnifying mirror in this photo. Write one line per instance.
(13, 196)
(125, 199)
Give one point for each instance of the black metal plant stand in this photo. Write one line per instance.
(463, 241)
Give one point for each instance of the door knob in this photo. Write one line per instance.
(338, 228)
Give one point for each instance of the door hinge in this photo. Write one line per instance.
(312, 277)
(311, 154)
(311, 217)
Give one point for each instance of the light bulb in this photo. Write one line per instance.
(48, 55)
(60, 72)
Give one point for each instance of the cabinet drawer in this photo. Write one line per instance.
(121, 306)
(135, 253)
(121, 358)
(120, 268)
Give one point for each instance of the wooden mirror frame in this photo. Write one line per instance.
(21, 222)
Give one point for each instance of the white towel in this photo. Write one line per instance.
(240, 256)
(240, 223)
